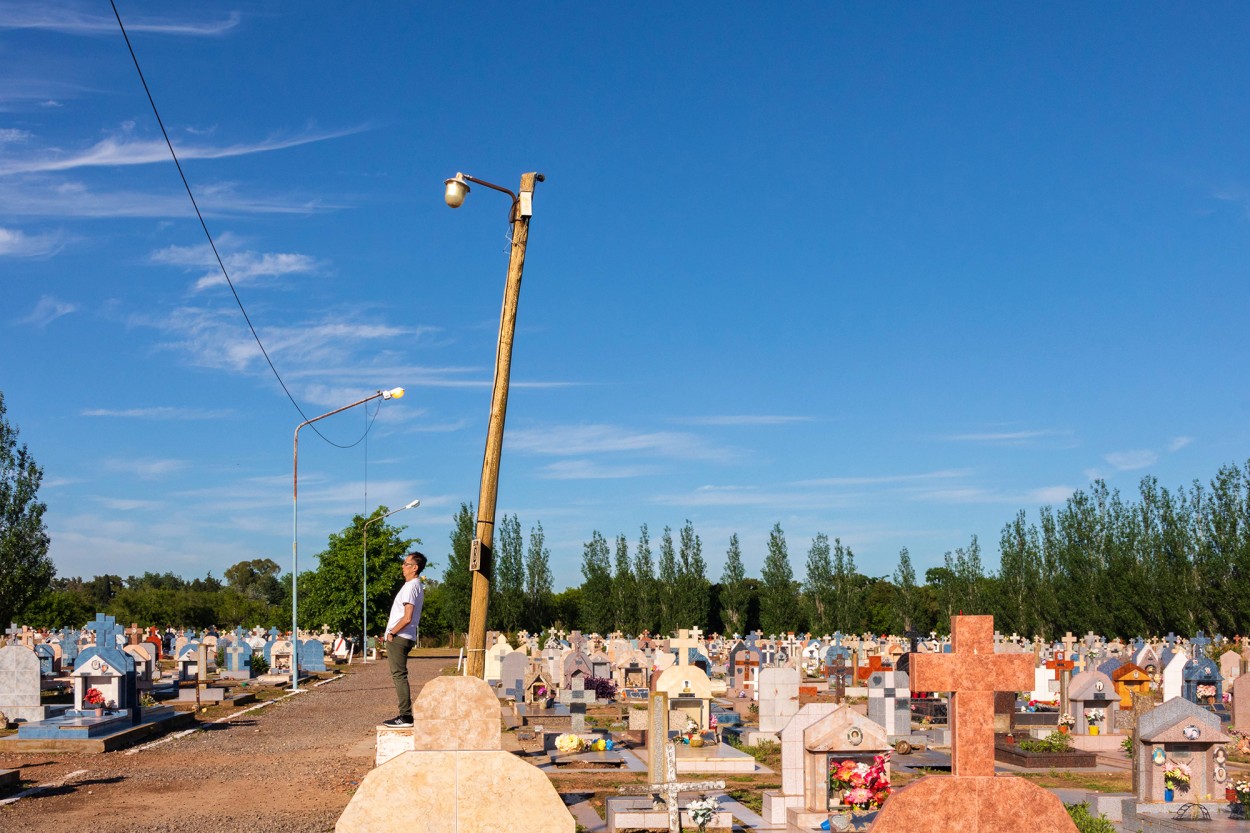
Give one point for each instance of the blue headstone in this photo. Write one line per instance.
(312, 656)
(46, 656)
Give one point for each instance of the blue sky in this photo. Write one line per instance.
(892, 272)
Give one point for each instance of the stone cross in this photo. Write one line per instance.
(105, 629)
(1200, 643)
(667, 790)
(1068, 641)
(133, 633)
(972, 673)
(12, 633)
(683, 642)
(1064, 666)
(839, 678)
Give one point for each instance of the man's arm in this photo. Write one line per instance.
(402, 623)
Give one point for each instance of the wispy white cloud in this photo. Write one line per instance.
(243, 266)
(124, 149)
(213, 338)
(44, 196)
(1051, 494)
(127, 504)
(161, 412)
(1132, 460)
(572, 440)
(590, 470)
(886, 479)
(11, 135)
(975, 494)
(69, 20)
(1009, 437)
(733, 495)
(742, 419)
(151, 469)
(48, 310)
(17, 243)
(1178, 443)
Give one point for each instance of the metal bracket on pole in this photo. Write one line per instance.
(475, 555)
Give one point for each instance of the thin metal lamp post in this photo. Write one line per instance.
(480, 557)
(364, 578)
(393, 393)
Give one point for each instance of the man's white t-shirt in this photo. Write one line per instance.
(411, 593)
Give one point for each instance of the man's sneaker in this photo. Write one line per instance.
(400, 722)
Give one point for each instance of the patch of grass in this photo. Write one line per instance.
(751, 799)
(1086, 822)
(1102, 782)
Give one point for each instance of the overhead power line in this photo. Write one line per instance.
(213, 245)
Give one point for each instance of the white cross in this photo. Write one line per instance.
(666, 791)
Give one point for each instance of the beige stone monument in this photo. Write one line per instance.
(457, 779)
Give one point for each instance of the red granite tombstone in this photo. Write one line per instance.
(972, 799)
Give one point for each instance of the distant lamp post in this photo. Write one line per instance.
(364, 580)
(393, 393)
(480, 560)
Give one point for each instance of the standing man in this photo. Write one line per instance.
(401, 634)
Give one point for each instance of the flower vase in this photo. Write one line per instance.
(1093, 730)
(99, 712)
(1063, 730)
(1168, 794)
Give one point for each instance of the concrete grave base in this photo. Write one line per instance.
(637, 813)
(973, 804)
(391, 743)
(456, 792)
(152, 725)
(753, 737)
(717, 757)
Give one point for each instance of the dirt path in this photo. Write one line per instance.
(288, 768)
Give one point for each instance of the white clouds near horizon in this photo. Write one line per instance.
(1132, 460)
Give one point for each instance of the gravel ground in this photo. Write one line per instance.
(287, 768)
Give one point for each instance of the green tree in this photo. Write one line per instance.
(624, 589)
(648, 610)
(907, 604)
(666, 586)
(779, 598)
(333, 589)
(847, 590)
(508, 584)
(735, 595)
(596, 608)
(457, 589)
(693, 588)
(57, 609)
(818, 587)
(255, 579)
(26, 571)
(538, 595)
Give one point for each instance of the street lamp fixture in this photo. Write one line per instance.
(364, 570)
(393, 393)
(457, 188)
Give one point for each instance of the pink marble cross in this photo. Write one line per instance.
(972, 672)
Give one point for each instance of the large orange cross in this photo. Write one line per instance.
(972, 673)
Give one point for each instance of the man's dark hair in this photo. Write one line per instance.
(419, 559)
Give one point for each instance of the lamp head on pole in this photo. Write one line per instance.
(414, 504)
(393, 393)
(457, 190)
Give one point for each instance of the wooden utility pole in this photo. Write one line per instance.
(481, 558)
